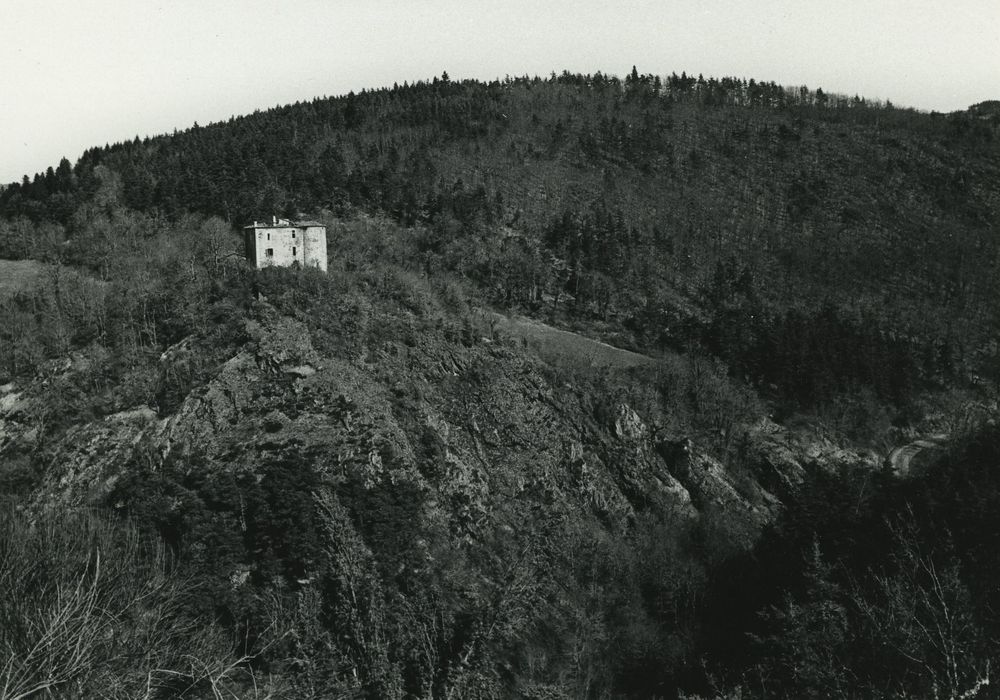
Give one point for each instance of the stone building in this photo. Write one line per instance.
(284, 242)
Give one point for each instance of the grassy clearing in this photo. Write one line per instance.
(564, 348)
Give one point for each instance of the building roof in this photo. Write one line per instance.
(284, 224)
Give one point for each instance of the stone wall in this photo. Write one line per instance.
(285, 245)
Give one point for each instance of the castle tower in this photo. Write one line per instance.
(285, 243)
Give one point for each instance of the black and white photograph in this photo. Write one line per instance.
(467, 350)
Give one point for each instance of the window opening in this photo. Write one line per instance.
(293, 251)
(269, 252)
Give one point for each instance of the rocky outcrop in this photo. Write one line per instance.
(16, 424)
(780, 457)
(643, 475)
(91, 457)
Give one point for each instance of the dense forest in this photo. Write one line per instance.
(226, 482)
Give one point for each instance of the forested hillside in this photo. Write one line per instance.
(651, 202)
(421, 476)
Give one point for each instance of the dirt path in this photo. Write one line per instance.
(901, 458)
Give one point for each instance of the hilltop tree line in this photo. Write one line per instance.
(375, 148)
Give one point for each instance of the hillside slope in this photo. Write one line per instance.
(593, 402)
(671, 209)
(468, 474)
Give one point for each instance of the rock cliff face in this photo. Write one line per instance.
(470, 490)
(782, 457)
(482, 429)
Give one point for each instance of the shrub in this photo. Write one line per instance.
(88, 609)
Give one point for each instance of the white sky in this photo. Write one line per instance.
(75, 74)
